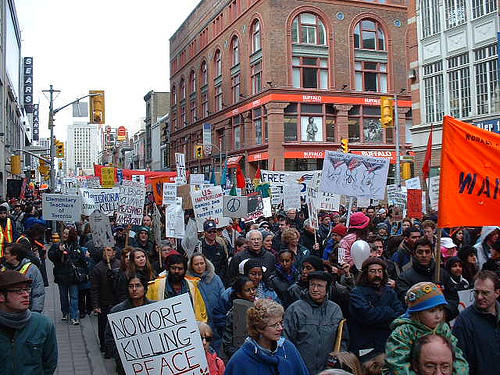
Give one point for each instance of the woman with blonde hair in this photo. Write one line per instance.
(265, 351)
(346, 361)
(290, 240)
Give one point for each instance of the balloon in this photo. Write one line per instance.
(360, 251)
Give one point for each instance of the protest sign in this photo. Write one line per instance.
(354, 175)
(108, 177)
(169, 193)
(278, 179)
(159, 338)
(156, 224)
(130, 208)
(104, 200)
(102, 235)
(174, 220)
(70, 186)
(267, 208)
(362, 202)
(180, 161)
(235, 206)
(255, 206)
(414, 203)
(184, 192)
(196, 179)
(413, 183)
(92, 183)
(291, 196)
(139, 178)
(60, 207)
(208, 204)
(434, 192)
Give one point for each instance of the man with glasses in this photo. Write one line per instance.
(478, 327)
(432, 355)
(27, 339)
(422, 269)
(372, 308)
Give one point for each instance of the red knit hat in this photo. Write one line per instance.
(340, 229)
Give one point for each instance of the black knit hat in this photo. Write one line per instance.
(465, 251)
(315, 261)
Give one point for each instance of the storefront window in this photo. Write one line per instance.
(290, 123)
(314, 120)
(365, 126)
(303, 164)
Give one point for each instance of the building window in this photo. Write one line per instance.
(235, 88)
(433, 92)
(192, 82)
(456, 13)
(173, 96)
(369, 35)
(204, 105)
(218, 97)
(307, 28)
(430, 17)
(482, 7)
(173, 121)
(365, 126)
(237, 123)
(235, 52)
(183, 116)
(486, 71)
(204, 73)
(192, 109)
(218, 63)
(371, 76)
(310, 72)
(256, 77)
(182, 89)
(308, 122)
(256, 45)
(257, 123)
(459, 85)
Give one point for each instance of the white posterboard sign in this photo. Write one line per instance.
(159, 338)
(235, 206)
(434, 192)
(292, 193)
(208, 204)
(255, 206)
(354, 175)
(278, 179)
(267, 208)
(60, 207)
(363, 202)
(180, 162)
(104, 200)
(413, 183)
(130, 209)
(157, 224)
(101, 230)
(139, 178)
(169, 193)
(174, 220)
(196, 179)
(70, 186)
(92, 183)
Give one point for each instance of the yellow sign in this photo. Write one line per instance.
(108, 177)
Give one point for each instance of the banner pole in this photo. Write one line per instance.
(437, 275)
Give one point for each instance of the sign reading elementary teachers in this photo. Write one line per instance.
(159, 338)
(60, 207)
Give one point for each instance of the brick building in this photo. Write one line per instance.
(282, 81)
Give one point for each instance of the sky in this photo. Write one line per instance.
(119, 46)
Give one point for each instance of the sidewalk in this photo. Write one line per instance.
(78, 345)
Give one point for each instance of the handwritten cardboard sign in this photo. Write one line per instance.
(414, 203)
(159, 338)
(104, 200)
(108, 177)
(101, 230)
(208, 204)
(130, 208)
(60, 207)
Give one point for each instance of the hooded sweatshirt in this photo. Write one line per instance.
(483, 250)
(405, 331)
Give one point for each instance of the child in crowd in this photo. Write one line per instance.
(215, 364)
(425, 315)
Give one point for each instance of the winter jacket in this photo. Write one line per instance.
(252, 359)
(371, 312)
(63, 271)
(405, 332)
(478, 336)
(267, 259)
(215, 364)
(280, 281)
(102, 292)
(32, 220)
(217, 255)
(483, 250)
(31, 271)
(210, 286)
(148, 247)
(402, 256)
(313, 329)
(32, 350)
(418, 273)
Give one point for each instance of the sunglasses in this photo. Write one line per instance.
(207, 338)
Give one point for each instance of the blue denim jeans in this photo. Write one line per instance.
(69, 305)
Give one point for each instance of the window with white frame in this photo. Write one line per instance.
(307, 28)
(459, 85)
(256, 77)
(204, 104)
(204, 73)
(235, 52)
(192, 82)
(235, 88)
(371, 76)
(368, 34)
(218, 97)
(182, 89)
(482, 7)
(433, 91)
(455, 12)
(218, 63)
(430, 17)
(256, 45)
(310, 72)
(486, 71)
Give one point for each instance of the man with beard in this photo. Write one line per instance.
(423, 269)
(477, 328)
(403, 255)
(8, 232)
(372, 308)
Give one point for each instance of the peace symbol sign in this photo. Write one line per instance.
(233, 205)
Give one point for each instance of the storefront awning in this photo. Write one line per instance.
(234, 161)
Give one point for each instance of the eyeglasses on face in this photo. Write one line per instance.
(276, 325)
(19, 291)
(206, 338)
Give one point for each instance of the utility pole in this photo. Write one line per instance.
(51, 92)
(396, 123)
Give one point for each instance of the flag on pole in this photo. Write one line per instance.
(469, 190)
(428, 156)
(240, 178)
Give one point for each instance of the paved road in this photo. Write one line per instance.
(78, 345)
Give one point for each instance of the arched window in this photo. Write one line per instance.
(182, 89)
(204, 73)
(256, 45)
(218, 63)
(307, 28)
(235, 52)
(173, 95)
(370, 57)
(192, 82)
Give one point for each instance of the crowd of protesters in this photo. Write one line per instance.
(275, 295)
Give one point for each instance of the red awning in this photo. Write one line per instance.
(234, 161)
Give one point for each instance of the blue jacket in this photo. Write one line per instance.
(371, 313)
(32, 351)
(252, 359)
(32, 220)
(478, 336)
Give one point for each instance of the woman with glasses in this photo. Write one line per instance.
(265, 351)
(215, 364)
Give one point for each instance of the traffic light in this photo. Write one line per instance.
(386, 112)
(59, 149)
(345, 145)
(198, 152)
(15, 164)
(32, 174)
(43, 168)
(406, 171)
(96, 107)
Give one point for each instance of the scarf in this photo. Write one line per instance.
(15, 320)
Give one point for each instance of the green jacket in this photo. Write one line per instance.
(32, 350)
(405, 332)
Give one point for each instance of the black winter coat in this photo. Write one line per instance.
(63, 260)
(102, 291)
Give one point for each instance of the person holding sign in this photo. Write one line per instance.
(265, 351)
